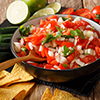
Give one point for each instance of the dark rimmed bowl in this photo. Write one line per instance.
(57, 75)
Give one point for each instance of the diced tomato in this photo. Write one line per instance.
(53, 62)
(58, 42)
(27, 46)
(40, 65)
(21, 54)
(51, 25)
(48, 66)
(91, 46)
(71, 57)
(34, 64)
(50, 58)
(68, 24)
(42, 52)
(68, 44)
(64, 66)
(83, 42)
(95, 41)
(67, 11)
(84, 23)
(75, 65)
(97, 50)
(68, 16)
(42, 23)
(67, 32)
(92, 58)
(85, 59)
(53, 17)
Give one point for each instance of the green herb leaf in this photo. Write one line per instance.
(66, 51)
(77, 32)
(25, 50)
(48, 38)
(66, 18)
(65, 65)
(24, 30)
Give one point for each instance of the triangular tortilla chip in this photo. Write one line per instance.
(3, 74)
(8, 79)
(63, 95)
(20, 95)
(47, 95)
(10, 92)
(21, 73)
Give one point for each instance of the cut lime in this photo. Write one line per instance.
(47, 11)
(17, 12)
(56, 6)
(37, 15)
(35, 5)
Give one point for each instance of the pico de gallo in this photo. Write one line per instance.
(67, 43)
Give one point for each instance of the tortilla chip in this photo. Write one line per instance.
(10, 92)
(21, 73)
(8, 79)
(63, 95)
(47, 95)
(3, 74)
(20, 95)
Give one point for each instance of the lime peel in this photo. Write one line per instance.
(56, 6)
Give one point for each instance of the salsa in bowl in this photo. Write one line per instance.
(70, 44)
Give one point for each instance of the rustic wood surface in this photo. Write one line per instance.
(38, 89)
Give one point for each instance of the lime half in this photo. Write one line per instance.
(56, 6)
(37, 15)
(47, 11)
(17, 12)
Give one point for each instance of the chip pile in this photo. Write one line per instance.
(58, 95)
(15, 85)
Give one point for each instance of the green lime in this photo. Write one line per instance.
(35, 5)
(56, 6)
(47, 11)
(37, 15)
(17, 12)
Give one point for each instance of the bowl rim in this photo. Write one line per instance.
(74, 69)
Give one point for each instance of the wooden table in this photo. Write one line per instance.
(38, 90)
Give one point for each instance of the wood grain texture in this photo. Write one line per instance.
(3, 8)
(90, 3)
(76, 4)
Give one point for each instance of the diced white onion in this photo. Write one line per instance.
(40, 48)
(79, 47)
(48, 26)
(30, 45)
(22, 42)
(62, 26)
(79, 62)
(76, 19)
(54, 43)
(62, 59)
(55, 66)
(71, 39)
(50, 53)
(54, 19)
(88, 51)
(60, 20)
(17, 46)
(88, 26)
(61, 39)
